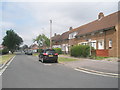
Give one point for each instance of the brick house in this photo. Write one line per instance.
(34, 47)
(61, 41)
(1, 47)
(102, 34)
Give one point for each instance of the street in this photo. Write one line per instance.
(26, 71)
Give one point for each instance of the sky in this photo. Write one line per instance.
(29, 19)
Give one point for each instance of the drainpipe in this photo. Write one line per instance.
(105, 40)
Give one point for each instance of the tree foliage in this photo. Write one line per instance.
(42, 40)
(12, 41)
(25, 47)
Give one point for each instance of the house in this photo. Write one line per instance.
(1, 47)
(56, 41)
(34, 47)
(102, 34)
(61, 41)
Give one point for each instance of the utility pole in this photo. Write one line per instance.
(50, 34)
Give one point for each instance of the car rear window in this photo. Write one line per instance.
(50, 51)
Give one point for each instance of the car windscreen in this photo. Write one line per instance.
(50, 51)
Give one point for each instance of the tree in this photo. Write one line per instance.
(25, 47)
(12, 41)
(42, 40)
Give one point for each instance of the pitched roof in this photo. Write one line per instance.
(96, 25)
(65, 36)
(56, 38)
(99, 24)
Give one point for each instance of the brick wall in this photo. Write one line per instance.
(103, 53)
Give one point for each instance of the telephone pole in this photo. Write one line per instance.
(50, 34)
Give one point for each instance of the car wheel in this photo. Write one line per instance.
(39, 59)
(42, 60)
(56, 61)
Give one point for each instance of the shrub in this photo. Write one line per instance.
(58, 50)
(0, 52)
(39, 50)
(5, 51)
(80, 51)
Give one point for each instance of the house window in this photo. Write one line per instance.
(101, 32)
(110, 43)
(72, 35)
(101, 44)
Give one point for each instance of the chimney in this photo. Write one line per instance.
(55, 34)
(70, 28)
(101, 15)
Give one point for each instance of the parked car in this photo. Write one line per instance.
(48, 55)
(29, 52)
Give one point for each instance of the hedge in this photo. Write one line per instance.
(80, 51)
(39, 50)
(58, 50)
(5, 51)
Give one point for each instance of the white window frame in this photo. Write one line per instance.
(72, 35)
(110, 43)
(99, 44)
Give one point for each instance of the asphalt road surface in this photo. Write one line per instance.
(26, 71)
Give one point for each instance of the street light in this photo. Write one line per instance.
(50, 34)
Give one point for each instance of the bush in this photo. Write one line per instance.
(5, 51)
(0, 52)
(58, 50)
(80, 51)
(39, 50)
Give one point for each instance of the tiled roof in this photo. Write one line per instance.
(105, 22)
(56, 38)
(99, 24)
(65, 36)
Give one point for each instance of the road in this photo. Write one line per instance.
(27, 72)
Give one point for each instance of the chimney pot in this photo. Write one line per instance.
(101, 15)
(70, 28)
(55, 34)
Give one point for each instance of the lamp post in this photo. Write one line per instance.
(50, 34)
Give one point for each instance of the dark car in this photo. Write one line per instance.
(48, 55)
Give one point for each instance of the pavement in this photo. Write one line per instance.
(26, 71)
(96, 65)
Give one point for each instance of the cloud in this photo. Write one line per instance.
(6, 25)
(30, 19)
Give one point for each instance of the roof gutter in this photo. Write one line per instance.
(106, 29)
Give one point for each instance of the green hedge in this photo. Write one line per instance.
(58, 50)
(39, 50)
(5, 51)
(80, 51)
(0, 52)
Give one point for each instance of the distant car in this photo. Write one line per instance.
(48, 55)
(29, 52)
(25, 52)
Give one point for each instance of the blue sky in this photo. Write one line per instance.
(30, 19)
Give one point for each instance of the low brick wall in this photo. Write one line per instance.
(103, 53)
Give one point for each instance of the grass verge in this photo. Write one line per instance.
(62, 59)
(5, 58)
(35, 54)
(98, 57)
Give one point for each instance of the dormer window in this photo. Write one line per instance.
(92, 34)
(101, 32)
(72, 35)
(84, 36)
